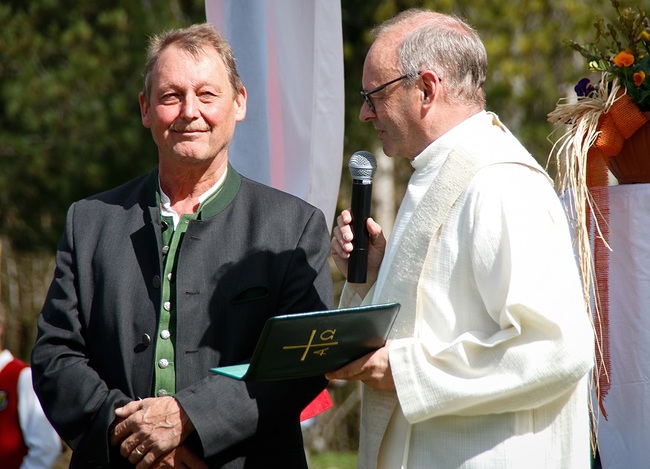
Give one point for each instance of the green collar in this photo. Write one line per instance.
(214, 204)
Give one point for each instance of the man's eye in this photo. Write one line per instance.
(169, 97)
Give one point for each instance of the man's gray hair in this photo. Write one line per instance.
(447, 45)
(193, 40)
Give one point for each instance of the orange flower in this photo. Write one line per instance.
(639, 77)
(624, 58)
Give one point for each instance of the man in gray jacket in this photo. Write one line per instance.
(174, 273)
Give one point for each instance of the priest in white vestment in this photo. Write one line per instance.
(489, 360)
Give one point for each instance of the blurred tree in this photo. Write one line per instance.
(70, 73)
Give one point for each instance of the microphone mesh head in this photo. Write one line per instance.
(362, 165)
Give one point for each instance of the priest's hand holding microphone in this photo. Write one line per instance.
(358, 243)
(357, 247)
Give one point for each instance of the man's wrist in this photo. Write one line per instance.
(187, 427)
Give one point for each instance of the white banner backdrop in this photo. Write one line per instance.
(290, 57)
(624, 436)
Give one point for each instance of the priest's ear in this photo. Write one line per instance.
(430, 83)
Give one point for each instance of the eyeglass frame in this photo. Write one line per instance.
(366, 94)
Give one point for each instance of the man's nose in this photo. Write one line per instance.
(190, 107)
(365, 113)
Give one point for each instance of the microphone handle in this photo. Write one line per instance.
(358, 261)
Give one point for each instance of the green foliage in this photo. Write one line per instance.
(70, 74)
(333, 460)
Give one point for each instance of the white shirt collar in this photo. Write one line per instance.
(434, 155)
(5, 357)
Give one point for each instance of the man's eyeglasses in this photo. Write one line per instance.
(366, 94)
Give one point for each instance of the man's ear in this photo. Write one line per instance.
(240, 103)
(430, 86)
(144, 110)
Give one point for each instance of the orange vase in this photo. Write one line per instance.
(632, 164)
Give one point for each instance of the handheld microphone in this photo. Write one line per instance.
(362, 168)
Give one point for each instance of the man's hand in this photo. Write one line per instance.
(149, 429)
(343, 243)
(372, 369)
(182, 457)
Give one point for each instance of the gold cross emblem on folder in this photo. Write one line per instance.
(318, 348)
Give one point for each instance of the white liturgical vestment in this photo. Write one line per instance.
(492, 350)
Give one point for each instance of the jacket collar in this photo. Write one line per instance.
(213, 205)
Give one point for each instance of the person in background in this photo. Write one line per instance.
(489, 359)
(174, 273)
(27, 440)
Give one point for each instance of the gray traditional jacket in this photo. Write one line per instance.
(253, 253)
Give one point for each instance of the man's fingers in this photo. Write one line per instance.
(149, 457)
(128, 446)
(137, 454)
(129, 409)
(349, 372)
(122, 427)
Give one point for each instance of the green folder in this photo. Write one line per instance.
(311, 344)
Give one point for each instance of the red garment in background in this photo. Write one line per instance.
(12, 444)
